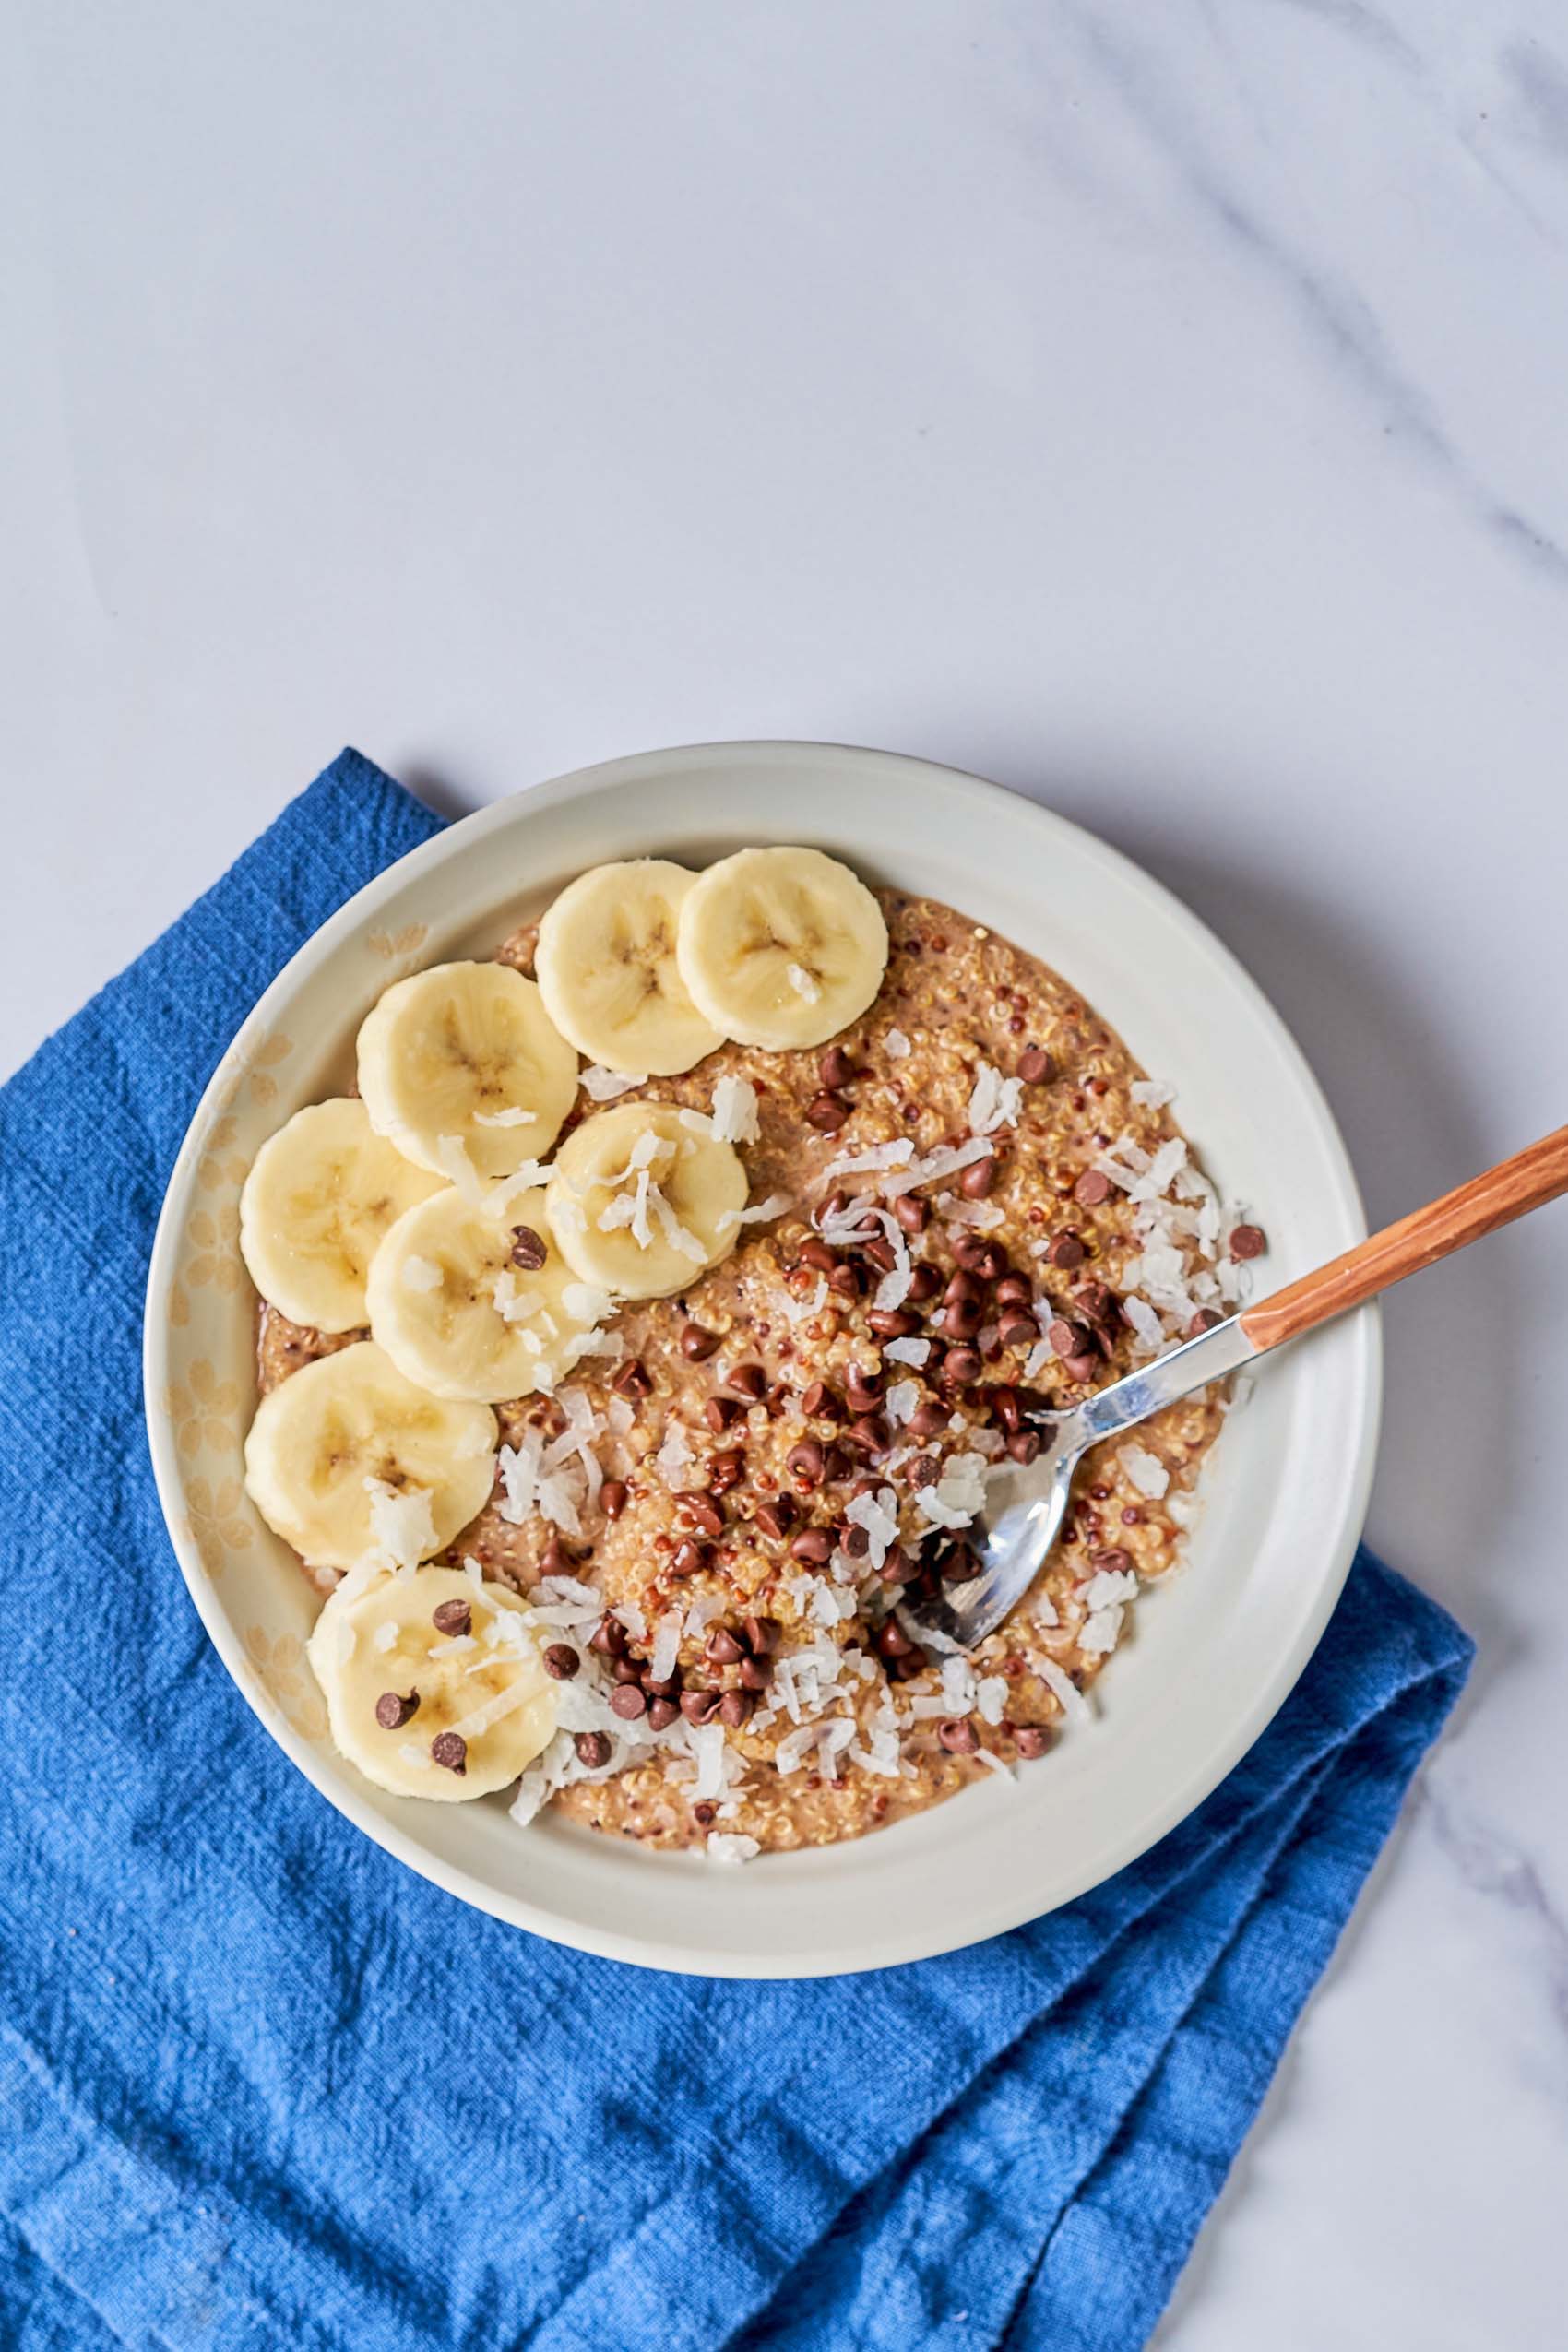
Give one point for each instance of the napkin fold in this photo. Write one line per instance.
(261, 2087)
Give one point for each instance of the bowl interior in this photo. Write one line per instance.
(1211, 1655)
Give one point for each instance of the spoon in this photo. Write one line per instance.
(1025, 1507)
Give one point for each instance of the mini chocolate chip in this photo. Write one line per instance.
(1115, 1563)
(911, 1213)
(1035, 1065)
(608, 1637)
(1248, 1241)
(1030, 1740)
(392, 1712)
(667, 1686)
(561, 1662)
(1066, 1251)
(628, 1701)
(1092, 1187)
(961, 1364)
(924, 1471)
(1081, 1368)
(834, 1206)
(662, 1712)
(836, 1069)
(626, 1670)
(1015, 1291)
(963, 1285)
(450, 1751)
(856, 1542)
(813, 1545)
(555, 1559)
(845, 1280)
(630, 1379)
(926, 1421)
(1004, 1404)
(1018, 1331)
(1206, 1319)
(806, 1462)
(963, 1318)
(1067, 1339)
(816, 1253)
(893, 1322)
(755, 1673)
(734, 1707)
(453, 1617)
(613, 1498)
(978, 1177)
(819, 1404)
(593, 1749)
(774, 1516)
(958, 1736)
(704, 1513)
(959, 1564)
(967, 1248)
(988, 1260)
(528, 1250)
(690, 1559)
(724, 1470)
(697, 1345)
(719, 1412)
(827, 1113)
(879, 1252)
(723, 1648)
(924, 1283)
(761, 1634)
(748, 1381)
(892, 1641)
(1024, 1446)
(699, 1706)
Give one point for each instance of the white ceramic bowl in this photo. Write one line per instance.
(1212, 1654)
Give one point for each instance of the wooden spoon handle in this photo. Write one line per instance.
(1538, 1174)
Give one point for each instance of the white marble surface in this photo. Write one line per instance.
(1160, 409)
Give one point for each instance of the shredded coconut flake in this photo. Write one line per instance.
(932, 1166)
(880, 1156)
(801, 981)
(1075, 1706)
(731, 1847)
(402, 1526)
(585, 1303)
(734, 1118)
(896, 1044)
(513, 1115)
(420, 1274)
(906, 1351)
(1152, 1093)
(603, 1086)
(995, 1100)
(1145, 1470)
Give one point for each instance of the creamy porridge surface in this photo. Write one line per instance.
(758, 1435)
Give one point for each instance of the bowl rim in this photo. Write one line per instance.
(895, 1949)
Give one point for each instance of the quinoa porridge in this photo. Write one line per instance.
(971, 1207)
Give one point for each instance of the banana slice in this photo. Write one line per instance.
(644, 1199)
(448, 1709)
(607, 970)
(321, 1195)
(346, 1460)
(467, 1303)
(462, 1068)
(781, 947)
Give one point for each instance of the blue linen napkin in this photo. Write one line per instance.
(263, 2088)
